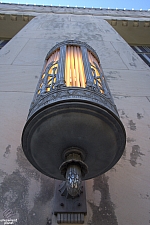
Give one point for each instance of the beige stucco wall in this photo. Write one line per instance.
(122, 195)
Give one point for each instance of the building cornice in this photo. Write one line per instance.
(34, 10)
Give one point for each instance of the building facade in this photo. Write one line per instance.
(122, 195)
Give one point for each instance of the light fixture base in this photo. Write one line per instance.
(73, 156)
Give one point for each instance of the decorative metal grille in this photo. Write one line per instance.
(48, 78)
(96, 73)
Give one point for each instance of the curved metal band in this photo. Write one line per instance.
(75, 43)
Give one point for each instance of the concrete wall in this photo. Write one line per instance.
(120, 196)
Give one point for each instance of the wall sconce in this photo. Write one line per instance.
(73, 131)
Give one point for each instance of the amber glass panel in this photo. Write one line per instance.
(74, 69)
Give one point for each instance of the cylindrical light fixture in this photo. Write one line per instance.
(73, 131)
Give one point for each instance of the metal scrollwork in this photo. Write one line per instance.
(52, 77)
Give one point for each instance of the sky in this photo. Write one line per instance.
(127, 4)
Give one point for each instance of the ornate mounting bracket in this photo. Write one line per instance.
(68, 209)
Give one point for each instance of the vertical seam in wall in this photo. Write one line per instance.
(139, 58)
(20, 51)
(119, 55)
